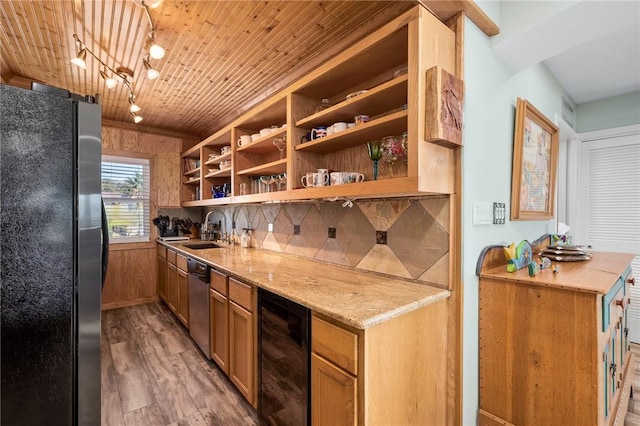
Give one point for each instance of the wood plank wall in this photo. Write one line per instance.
(131, 275)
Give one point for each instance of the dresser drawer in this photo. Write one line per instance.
(162, 252)
(218, 282)
(241, 293)
(336, 344)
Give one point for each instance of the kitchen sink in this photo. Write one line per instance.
(202, 246)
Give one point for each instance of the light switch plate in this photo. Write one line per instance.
(482, 213)
(270, 227)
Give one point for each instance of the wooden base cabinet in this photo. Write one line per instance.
(242, 339)
(553, 349)
(219, 311)
(390, 373)
(162, 274)
(182, 306)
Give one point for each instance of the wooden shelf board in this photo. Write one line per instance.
(263, 144)
(219, 173)
(382, 98)
(218, 159)
(271, 112)
(392, 124)
(192, 182)
(274, 167)
(192, 171)
(219, 138)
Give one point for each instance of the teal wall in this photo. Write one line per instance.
(491, 90)
(608, 113)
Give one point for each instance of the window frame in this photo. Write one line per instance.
(145, 162)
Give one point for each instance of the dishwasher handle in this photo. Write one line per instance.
(198, 269)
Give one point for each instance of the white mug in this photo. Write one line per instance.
(265, 132)
(323, 177)
(339, 126)
(255, 136)
(245, 139)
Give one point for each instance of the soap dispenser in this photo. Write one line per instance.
(245, 239)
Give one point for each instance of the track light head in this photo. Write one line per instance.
(110, 82)
(79, 59)
(152, 73)
(136, 118)
(155, 50)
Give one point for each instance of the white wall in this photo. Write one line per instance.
(491, 90)
(616, 111)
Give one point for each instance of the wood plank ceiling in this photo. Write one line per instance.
(222, 57)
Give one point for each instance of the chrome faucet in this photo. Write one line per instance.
(223, 231)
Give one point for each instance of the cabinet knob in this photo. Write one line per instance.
(620, 303)
(632, 280)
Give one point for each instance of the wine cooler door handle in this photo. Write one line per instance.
(105, 243)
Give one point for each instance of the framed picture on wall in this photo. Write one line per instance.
(535, 159)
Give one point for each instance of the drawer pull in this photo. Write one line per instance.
(632, 280)
(620, 303)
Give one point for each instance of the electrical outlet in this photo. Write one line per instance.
(499, 213)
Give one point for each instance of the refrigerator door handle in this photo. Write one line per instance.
(105, 243)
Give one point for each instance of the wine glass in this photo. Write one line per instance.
(281, 144)
(392, 151)
(375, 153)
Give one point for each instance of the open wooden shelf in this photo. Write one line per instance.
(219, 173)
(378, 100)
(272, 168)
(218, 159)
(263, 144)
(390, 125)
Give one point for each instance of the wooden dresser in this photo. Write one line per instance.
(554, 348)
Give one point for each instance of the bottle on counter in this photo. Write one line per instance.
(245, 238)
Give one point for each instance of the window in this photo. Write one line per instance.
(125, 191)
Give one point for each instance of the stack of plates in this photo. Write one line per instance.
(565, 253)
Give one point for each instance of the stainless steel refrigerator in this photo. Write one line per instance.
(51, 257)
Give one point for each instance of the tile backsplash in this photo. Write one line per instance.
(401, 237)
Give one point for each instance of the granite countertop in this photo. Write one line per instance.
(359, 299)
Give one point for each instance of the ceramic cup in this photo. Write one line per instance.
(227, 149)
(307, 179)
(323, 177)
(318, 132)
(329, 130)
(350, 125)
(265, 132)
(336, 178)
(255, 136)
(355, 177)
(339, 126)
(361, 119)
(245, 139)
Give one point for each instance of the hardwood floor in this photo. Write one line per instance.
(153, 374)
(633, 412)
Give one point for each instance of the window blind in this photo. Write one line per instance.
(126, 196)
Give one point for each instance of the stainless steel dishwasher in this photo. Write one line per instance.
(199, 321)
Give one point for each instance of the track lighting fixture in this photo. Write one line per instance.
(125, 74)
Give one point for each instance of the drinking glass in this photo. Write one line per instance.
(281, 144)
(392, 151)
(375, 153)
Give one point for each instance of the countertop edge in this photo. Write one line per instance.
(439, 293)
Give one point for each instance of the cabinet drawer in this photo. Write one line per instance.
(240, 293)
(617, 293)
(336, 344)
(171, 257)
(162, 252)
(218, 282)
(181, 262)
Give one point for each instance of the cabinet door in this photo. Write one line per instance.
(172, 284)
(333, 394)
(241, 350)
(219, 309)
(162, 278)
(183, 297)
